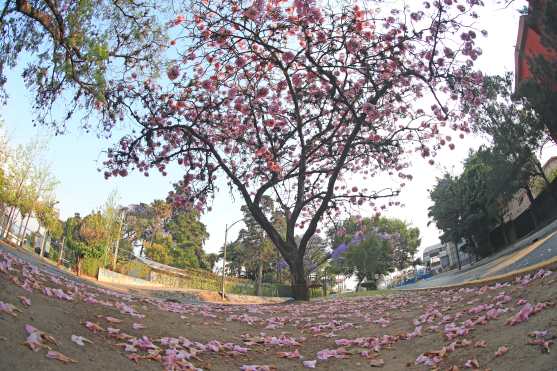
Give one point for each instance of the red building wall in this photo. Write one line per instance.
(529, 41)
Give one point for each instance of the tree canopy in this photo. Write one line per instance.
(288, 99)
(366, 247)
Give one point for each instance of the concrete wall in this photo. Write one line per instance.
(106, 275)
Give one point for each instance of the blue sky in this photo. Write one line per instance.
(76, 155)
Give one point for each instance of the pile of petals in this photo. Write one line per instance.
(36, 339)
(528, 310)
(333, 353)
(9, 308)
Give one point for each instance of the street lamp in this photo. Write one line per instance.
(227, 227)
(456, 243)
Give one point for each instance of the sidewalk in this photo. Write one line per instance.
(502, 261)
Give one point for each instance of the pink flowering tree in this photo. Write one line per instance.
(292, 100)
(296, 101)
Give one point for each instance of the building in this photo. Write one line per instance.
(443, 256)
(536, 60)
(529, 40)
(520, 201)
(436, 256)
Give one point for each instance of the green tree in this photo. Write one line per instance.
(367, 259)
(138, 220)
(403, 239)
(158, 213)
(40, 191)
(78, 49)
(515, 130)
(85, 237)
(188, 233)
(160, 251)
(372, 246)
(467, 207)
(211, 259)
(19, 173)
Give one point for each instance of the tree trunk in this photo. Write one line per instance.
(43, 243)
(259, 281)
(359, 284)
(300, 290)
(532, 208)
(2, 218)
(25, 229)
(9, 223)
(78, 265)
(504, 232)
(20, 237)
(457, 255)
(61, 254)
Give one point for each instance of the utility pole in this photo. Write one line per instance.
(115, 257)
(227, 227)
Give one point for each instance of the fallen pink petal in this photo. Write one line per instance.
(501, 350)
(60, 357)
(80, 340)
(309, 364)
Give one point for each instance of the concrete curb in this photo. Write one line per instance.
(502, 277)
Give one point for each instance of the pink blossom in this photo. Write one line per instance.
(138, 326)
(309, 364)
(25, 301)
(255, 368)
(80, 340)
(9, 308)
(290, 355)
(501, 350)
(522, 315)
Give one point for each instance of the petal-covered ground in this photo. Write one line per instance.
(51, 321)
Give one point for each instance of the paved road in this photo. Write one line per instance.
(33, 258)
(531, 250)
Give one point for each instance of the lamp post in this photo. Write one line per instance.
(227, 227)
(456, 245)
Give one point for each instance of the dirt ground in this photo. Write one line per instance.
(419, 330)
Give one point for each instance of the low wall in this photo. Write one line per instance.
(106, 275)
(173, 277)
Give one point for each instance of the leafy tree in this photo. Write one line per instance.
(188, 233)
(138, 220)
(448, 208)
(288, 101)
(40, 193)
(211, 259)
(79, 49)
(515, 130)
(159, 213)
(84, 237)
(186, 258)
(403, 239)
(469, 206)
(371, 257)
(366, 247)
(19, 174)
(160, 251)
